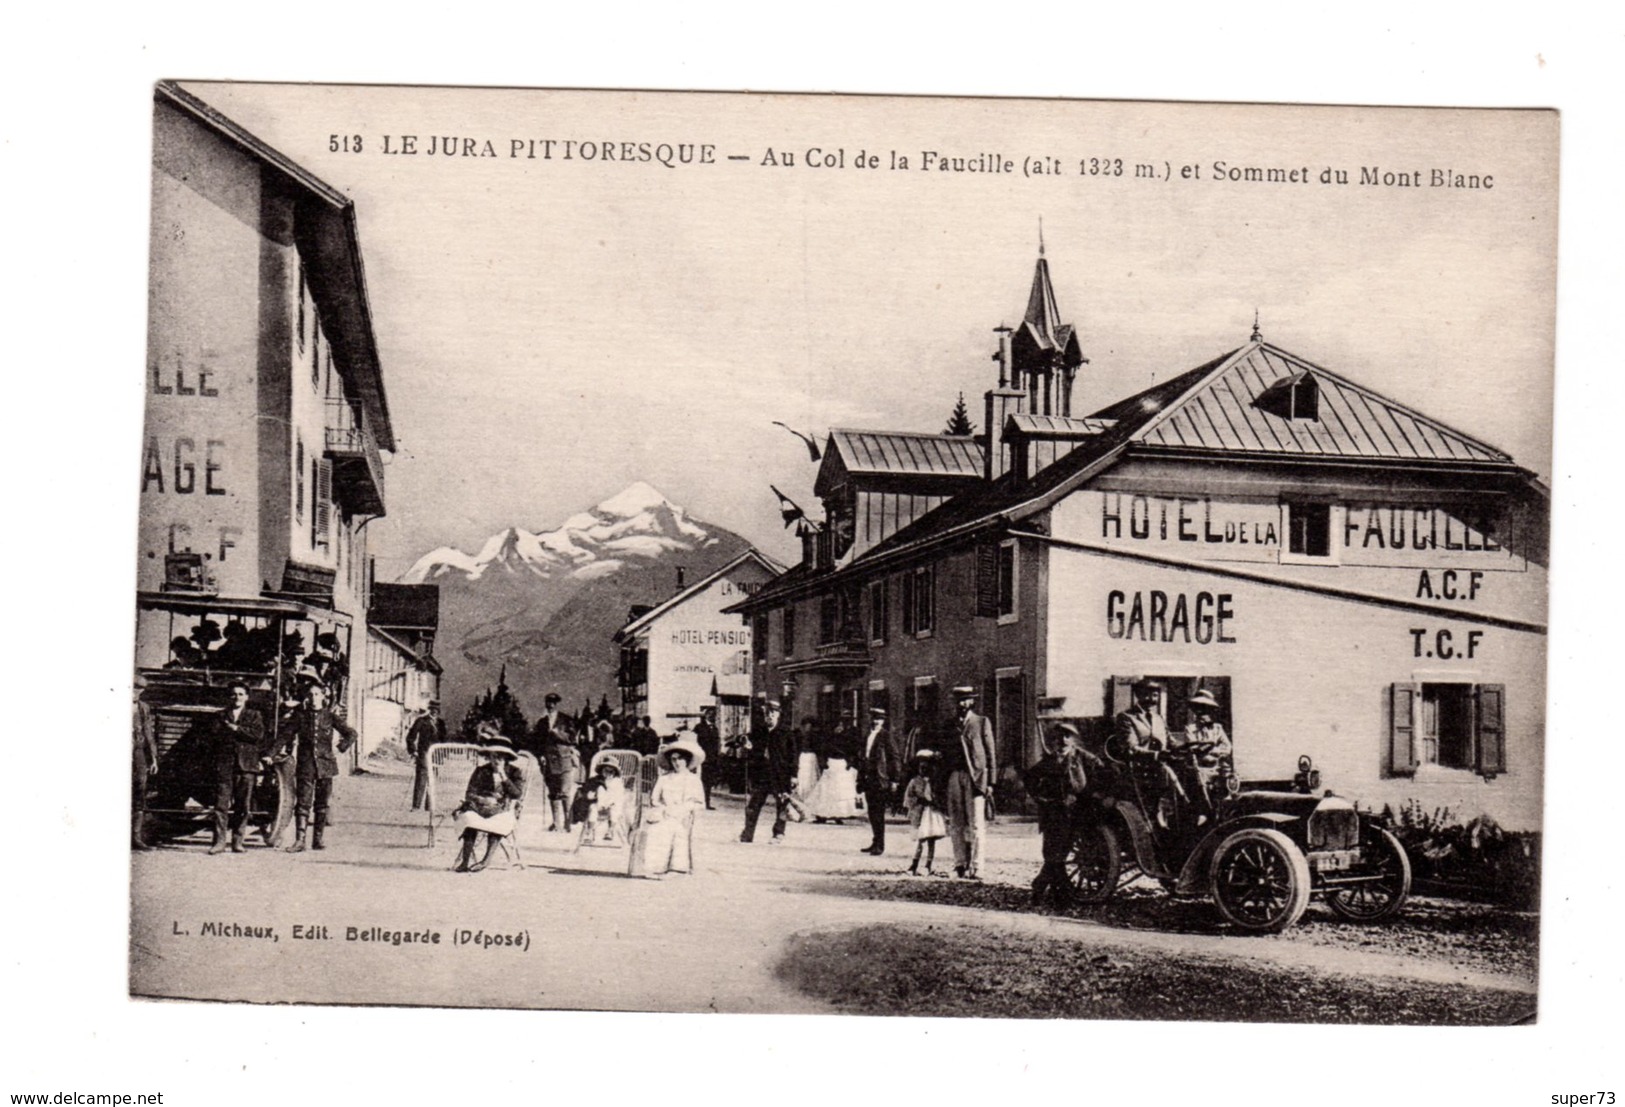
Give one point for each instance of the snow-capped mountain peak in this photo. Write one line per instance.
(637, 522)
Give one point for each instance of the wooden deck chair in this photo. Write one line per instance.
(629, 762)
(529, 770)
(648, 774)
(450, 765)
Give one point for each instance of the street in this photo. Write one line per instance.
(356, 923)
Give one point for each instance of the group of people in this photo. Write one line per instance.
(661, 842)
(1181, 769)
(237, 747)
(945, 791)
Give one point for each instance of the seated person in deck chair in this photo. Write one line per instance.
(488, 805)
(606, 796)
(661, 844)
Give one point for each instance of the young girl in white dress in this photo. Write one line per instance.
(920, 802)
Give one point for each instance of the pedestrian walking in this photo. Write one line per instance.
(426, 730)
(770, 769)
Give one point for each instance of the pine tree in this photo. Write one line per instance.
(959, 422)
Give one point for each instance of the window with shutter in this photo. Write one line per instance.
(790, 630)
(1401, 729)
(321, 515)
(908, 603)
(878, 612)
(987, 580)
(1491, 737)
(1007, 581)
(925, 599)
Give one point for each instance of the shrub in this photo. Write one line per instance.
(1476, 859)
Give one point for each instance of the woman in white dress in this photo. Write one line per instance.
(835, 796)
(806, 762)
(661, 844)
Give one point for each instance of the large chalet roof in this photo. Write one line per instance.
(405, 606)
(1224, 408)
(1231, 411)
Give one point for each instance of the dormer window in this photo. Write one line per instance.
(1295, 396)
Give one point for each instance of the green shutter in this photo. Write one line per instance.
(1402, 729)
(1491, 729)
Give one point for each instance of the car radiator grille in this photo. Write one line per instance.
(1338, 828)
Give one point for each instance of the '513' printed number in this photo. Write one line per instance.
(344, 144)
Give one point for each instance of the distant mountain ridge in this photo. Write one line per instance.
(547, 603)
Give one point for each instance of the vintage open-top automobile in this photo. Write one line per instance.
(1264, 850)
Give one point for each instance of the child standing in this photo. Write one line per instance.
(920, 802)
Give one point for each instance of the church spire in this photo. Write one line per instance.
(1042, 314)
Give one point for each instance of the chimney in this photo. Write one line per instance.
(999, 404)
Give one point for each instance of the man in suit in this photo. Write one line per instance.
(770, 769)
(312, 724)
(426, 730)
(880, 766)
(144, 764)
(1143, 730)
(239, 751)
(710, 743)
(968, 772)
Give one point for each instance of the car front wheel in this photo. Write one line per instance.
(1095, 864)
(1260, 880)
(1382, 895)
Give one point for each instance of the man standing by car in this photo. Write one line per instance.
(315, 764)
(968, 773)
(1054, 783)
(879, 766)
(770, 769)
(237, 739)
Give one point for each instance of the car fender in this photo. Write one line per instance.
(1139, 833)
(1193, 875)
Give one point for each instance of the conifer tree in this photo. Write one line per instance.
(959, 422)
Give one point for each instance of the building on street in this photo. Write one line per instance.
(1352, 579)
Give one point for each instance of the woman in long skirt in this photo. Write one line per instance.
(661, 844)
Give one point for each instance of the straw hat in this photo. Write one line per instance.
(1204, 698)
(696, 756)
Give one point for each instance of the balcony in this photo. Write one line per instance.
(358, 470)
(848, 652)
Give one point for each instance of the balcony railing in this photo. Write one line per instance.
(358, 470)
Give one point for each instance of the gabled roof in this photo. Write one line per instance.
(659, 609)
(896, 453)
(1223, 414)
(1364, 427)
(325, 229)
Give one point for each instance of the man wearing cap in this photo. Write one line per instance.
(237, 739)
(879, 767)
(1055, 782)
(315, 764)
(770, 769)
(1206, 745)
(968, 773)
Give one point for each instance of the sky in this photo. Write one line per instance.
(553, 330)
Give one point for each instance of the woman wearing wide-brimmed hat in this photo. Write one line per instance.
(488, 804)
(661, 844)
(1209, 748)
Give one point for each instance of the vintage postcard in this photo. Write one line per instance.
(697, 552)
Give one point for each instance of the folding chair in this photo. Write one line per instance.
(529, 770)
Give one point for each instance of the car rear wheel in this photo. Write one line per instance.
(1094, 864)
(1378, 898)
(1260, 880)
